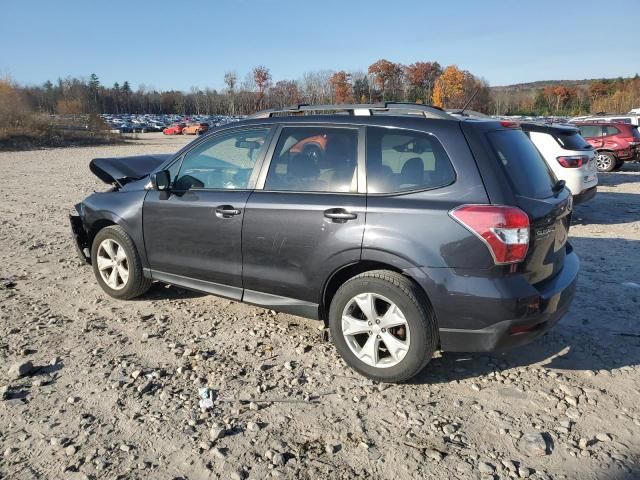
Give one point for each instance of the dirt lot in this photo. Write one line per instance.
(113, 391)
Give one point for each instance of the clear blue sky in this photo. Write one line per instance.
(180, 44)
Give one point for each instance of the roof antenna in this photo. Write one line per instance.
(469, 101)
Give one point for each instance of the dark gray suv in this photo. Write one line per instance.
(403, 228)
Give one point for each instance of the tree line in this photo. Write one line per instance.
(422, 82)
(618, 95)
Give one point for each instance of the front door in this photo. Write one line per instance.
(192, 233)
(306, 221)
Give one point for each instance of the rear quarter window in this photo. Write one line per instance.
(525, 168)
(405, 160)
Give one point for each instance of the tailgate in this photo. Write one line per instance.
(549, 212)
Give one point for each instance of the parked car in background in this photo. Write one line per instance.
(413, 231)
(569, 156)
(195, 129)
(175, 129)
(615, 143)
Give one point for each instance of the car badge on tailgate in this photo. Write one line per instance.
(544, 232)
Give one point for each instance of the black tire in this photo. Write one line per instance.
(606, 161)
(137, 284)
(413, 303)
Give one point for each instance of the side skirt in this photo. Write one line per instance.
(266, 300)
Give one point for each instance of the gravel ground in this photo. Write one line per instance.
(92, 387)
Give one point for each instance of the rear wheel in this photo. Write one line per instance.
(605, 161)
(116, 264)
(383, 326)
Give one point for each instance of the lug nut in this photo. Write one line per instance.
(378, 322)
(369, 323)
(384, 330)
(378, 336)
(370, 332)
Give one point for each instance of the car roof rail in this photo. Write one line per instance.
(358, 109)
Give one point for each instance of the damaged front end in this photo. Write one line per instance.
(81, 239)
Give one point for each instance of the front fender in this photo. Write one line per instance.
(123, 208)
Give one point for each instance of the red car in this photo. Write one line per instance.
(175, 129)
(615, 143)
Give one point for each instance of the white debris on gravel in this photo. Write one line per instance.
(122, 396)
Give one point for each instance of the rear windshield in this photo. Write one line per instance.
(572, 141)
(521, 161)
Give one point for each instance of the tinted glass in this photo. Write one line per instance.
(611, 130)
(635, 132)
(314, 159)
(402, 160)
(572, 141)
(590, 130)
(621, 120)
(526, 169)
(223, 162)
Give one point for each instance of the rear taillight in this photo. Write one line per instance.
(505, 230)
(573, 161)
(510, 124)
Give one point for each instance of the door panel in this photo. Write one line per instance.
(184, 235)
(290, 247)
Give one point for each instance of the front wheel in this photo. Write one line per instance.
(383, 326)
(117, 265)
(606, 161)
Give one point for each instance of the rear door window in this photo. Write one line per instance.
(588, 131)
(314, 159)
(610, 130)
(524, 166)
(404, 160)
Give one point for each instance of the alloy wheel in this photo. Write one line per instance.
(603, 162)
(375, 330)
(113, 264)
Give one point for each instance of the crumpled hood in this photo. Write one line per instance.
(122, 170)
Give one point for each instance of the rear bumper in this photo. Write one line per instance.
(479, 315)
(585, 195)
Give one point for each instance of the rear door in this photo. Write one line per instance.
(592, 134)
(306, 217)
(532, 184)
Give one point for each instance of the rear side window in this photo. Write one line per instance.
(590, 130)
(572, 141)
(314, 159)
(521, 161)
(404, 160)
(610, 130)
(635, 132)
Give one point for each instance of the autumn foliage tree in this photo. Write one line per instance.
(421, 76)
(449, 91)
(261, 77)
(387, 78)
(342, 88)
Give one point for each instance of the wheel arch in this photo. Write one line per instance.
(344, 273)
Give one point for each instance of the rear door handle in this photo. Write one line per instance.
(227, 211)
(340, 215)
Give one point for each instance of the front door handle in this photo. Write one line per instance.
(227, 211)
(340, 215)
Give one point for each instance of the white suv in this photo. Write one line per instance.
(568, 155)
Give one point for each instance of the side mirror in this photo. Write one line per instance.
(161, 180)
